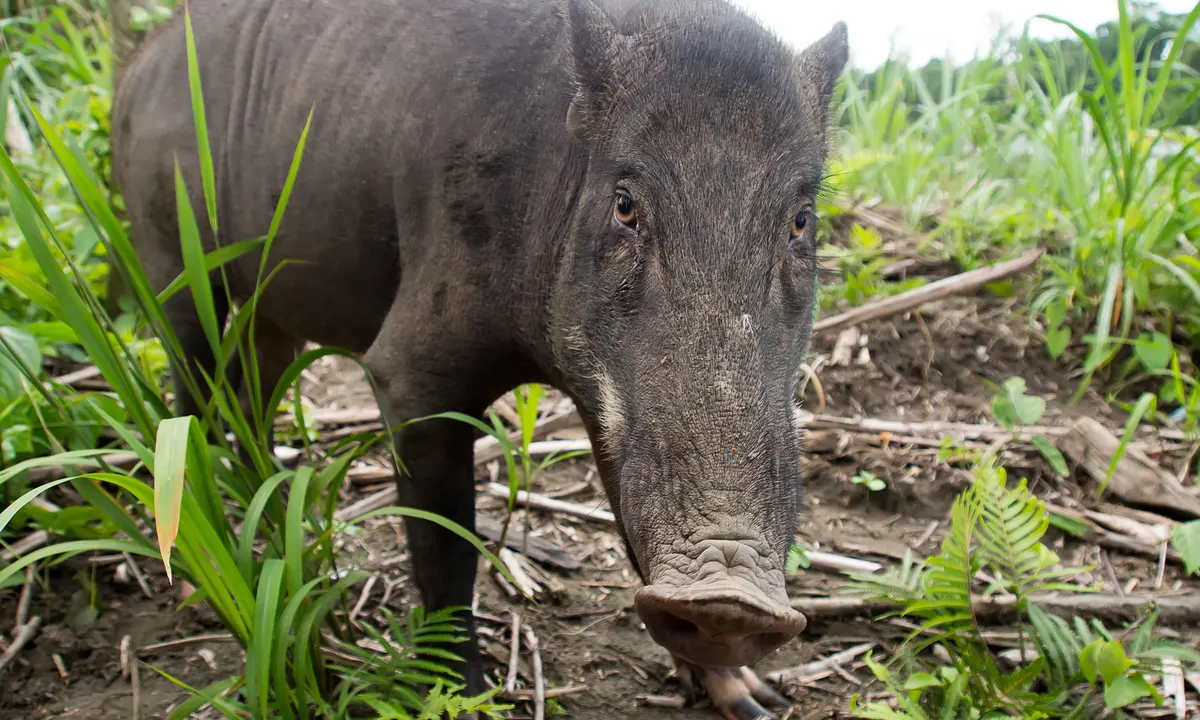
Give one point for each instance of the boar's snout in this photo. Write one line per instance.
(721, 620)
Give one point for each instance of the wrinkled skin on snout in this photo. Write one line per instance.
(616, 197)
(696, 244)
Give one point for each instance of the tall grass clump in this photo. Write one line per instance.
(1083, 149)
(255, 537)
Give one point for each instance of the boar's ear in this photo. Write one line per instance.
(821, 63)
(596, 50)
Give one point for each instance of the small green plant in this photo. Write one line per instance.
(797, 558)
(520, 463)
(1013, 409)
(952, 452)
(1186, 541)
(869, 481)
(861, 263)
(1065, 669)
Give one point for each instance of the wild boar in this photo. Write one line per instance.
(613, 197)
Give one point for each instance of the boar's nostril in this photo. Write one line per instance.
(714, 630)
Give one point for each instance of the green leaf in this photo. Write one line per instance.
(919, 681)
(1056, 313)
(1186, 541)
(18, 349)
(1126, 690)
(796, 559)
(170, 460)
(1057, 462)
(1109, 658)
(1057, 341)
(1153, 350)
(1088, 663)
(1029, 408)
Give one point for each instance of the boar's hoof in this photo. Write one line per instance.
(736, 693)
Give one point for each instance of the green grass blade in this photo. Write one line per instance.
(207, 174)
(193, 261)
(258, 657)
(293, 536)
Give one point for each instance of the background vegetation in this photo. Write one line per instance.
(1085, 147)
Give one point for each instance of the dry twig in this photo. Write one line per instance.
(818, 669)
(514, 652)
(23, 636)
(539, 684)
(23, 601)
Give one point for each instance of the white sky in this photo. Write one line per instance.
(923, 29)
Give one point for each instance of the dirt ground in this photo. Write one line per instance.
(926, 366)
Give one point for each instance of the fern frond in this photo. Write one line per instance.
(1012, 524)
(945, 602)
(899, 584)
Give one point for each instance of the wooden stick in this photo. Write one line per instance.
(23, 601)
(78, 376)
(137, 574)
(539, 684)
(126, 642)
(839, 563)
(135, 687)
(674, 702)
(524, 583)
(24, 635)
(514, 651)
(122, 460)
(953, 285)
(489, 448)
(811, 671)
(523, 694)
(546, 503)
(1172, 610)
(182, 642)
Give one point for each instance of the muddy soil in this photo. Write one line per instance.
(927, 366)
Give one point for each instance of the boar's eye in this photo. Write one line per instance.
(624, 211)
(800, 224)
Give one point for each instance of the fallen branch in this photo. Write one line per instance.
(1135, 479)
(1173, 610)
(817, 669)
(946, 287)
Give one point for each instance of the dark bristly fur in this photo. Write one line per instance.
(455, 216)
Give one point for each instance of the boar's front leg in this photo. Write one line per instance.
(736, 693)
(419, 374)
